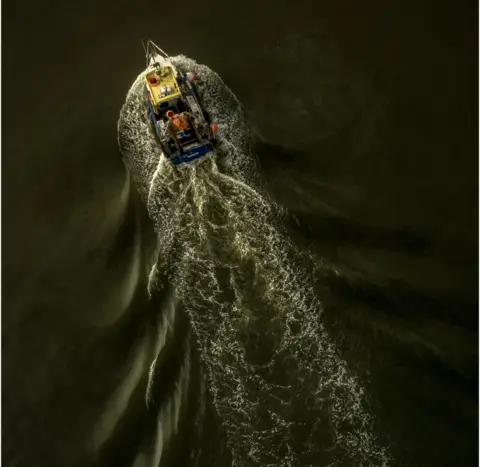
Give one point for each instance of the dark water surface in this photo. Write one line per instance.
(365, 116)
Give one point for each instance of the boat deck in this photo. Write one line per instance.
(164, 77)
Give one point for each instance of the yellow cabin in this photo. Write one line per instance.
(162, 85)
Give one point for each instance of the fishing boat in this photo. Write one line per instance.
(181, 123)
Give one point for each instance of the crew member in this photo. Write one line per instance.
(180, 122)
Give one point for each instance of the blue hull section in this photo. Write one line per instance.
(192, 154)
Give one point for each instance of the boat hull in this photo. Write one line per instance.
(169, 90)
(192, 154)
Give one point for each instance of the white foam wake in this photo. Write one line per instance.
(284, 395)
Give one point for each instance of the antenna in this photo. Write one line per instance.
(151, 49)
(151, 44)
(145, 49)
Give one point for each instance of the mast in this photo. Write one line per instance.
(151, 50)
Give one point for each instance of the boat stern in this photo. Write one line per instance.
(193, 153)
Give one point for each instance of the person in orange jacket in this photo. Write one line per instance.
(180, 122)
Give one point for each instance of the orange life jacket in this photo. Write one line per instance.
(180, 122)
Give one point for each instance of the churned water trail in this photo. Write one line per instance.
(282, 392)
